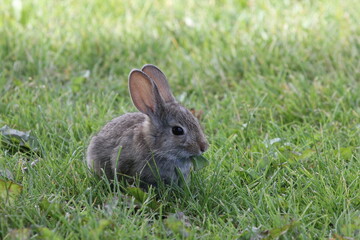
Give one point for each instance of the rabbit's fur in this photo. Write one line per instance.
(143, 144)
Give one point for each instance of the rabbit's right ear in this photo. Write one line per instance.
(144, 93)
(160, 80)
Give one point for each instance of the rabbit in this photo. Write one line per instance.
(153, 144)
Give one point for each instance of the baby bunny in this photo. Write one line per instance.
(153, 144)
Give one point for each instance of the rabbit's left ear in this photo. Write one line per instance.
(160, 80)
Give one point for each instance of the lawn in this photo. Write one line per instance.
(278, 83)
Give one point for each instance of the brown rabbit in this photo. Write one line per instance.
(153, 143)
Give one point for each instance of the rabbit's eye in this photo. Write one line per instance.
(177, 131)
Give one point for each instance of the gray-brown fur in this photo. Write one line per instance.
(142, 144)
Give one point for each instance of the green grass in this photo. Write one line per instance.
(259, 70)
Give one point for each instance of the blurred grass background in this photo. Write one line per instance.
(278, 82)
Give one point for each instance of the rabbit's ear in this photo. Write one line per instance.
(144, 93)
(160, 80)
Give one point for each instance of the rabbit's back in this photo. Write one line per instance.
(104, 147)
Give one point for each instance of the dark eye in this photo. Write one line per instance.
(177, 131)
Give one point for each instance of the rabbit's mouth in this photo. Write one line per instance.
(195, 149)
(195, 152)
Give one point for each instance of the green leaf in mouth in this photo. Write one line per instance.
(199, 162)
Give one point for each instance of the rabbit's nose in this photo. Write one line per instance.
(203, 146)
